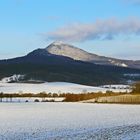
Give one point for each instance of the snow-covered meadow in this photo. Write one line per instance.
(78, 121)
(53, 87)
(49, 87)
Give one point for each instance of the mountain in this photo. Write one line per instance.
(43, 65)
(60, 48)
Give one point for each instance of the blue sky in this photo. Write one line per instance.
(104, 27)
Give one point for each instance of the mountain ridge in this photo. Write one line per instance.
(45, 66)
(63, 49)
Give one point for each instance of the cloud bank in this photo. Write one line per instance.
(100, 29)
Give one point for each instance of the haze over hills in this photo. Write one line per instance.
(60, 48)
(62, 62)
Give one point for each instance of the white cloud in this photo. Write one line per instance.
(100, 29)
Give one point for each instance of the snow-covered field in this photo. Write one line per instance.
(32, 99)
(52, 87)
(69, 121)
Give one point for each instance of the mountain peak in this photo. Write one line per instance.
(58, 43)
(63, 49)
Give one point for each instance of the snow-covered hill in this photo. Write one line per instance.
(60, 48)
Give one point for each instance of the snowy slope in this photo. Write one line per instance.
(13, 78)
(52, 87)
